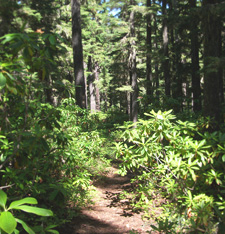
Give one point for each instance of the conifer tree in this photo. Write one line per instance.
(165, 63)
(132, 67)
(212, 35)
(78, 54)
(149, 51)
(195, 73)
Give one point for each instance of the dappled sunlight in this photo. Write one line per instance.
(111, 211)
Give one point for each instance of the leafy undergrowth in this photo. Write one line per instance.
(178, 165)
(54, 158)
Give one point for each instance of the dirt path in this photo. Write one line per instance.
(109, 214)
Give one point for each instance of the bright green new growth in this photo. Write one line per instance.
(8, 222)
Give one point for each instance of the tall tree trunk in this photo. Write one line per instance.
(128, 103)
(221, 68)
(104, 93)
(165, 63)
(97, 91)
(149, 51)
(78, 54)
(133, 70)
(94, 92)
(156, 78)
(196, 88)
(211, 30)
(91, 85)
(177, 67)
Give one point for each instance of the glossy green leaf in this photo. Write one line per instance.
(52, 39)
(223, 158)
(25, 226)
(35, 210)
(30, 51)
(10, 76)
(16, 231)
(53, 231)
(3, 199)
(50, 227)
(193, 175)
(7, 222)
(12, 89)
(2, 80)
(27, 200)
(8, 37)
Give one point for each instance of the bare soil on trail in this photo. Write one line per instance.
(109, 214)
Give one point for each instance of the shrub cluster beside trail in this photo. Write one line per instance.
(49, 152)
(124, 58)
(53, 158)
(180, 164)
(54, 153)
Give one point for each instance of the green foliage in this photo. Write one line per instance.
(52, 150)
(164, 226)
(8, 222)
(56, 159)
(43, 153)
(86, 141)
(184, 165)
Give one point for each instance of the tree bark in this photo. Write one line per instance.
(211, 30)
(91, 85)
(156, 78)
(78, 54)
(149, 77)
(133, 70)
(94, 92)
(97, 91)
(221, 68)
(177, 78)
(195, 74)
(165, 63)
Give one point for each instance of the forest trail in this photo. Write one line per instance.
(110, 214)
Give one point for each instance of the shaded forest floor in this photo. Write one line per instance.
(109, 213)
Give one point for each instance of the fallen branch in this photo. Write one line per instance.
(7, 186)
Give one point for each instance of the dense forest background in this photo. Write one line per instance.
(78, 79)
